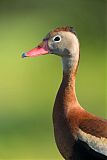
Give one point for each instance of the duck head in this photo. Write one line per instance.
(61, 41)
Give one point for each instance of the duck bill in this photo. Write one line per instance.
(35, 52)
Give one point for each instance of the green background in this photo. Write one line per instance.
(28, 86)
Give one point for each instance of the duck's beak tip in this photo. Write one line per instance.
(23, 55)
(35, 52)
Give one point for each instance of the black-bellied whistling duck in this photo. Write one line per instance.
(79, 135)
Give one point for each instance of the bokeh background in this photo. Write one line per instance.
(28, 86)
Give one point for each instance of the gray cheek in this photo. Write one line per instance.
(53, 47)
(56, 48)
(50, 45)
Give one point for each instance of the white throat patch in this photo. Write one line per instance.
(97, 144)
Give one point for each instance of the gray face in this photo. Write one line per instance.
(56, 44)
(62, 43)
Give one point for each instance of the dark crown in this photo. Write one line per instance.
(66, 28)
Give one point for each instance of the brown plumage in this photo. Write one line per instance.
(79, 135)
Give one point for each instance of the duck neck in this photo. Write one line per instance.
(68, 83)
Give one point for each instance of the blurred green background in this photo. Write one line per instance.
(28, 86)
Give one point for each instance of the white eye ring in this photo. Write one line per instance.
(57, 38)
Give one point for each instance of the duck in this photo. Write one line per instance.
(79, 135)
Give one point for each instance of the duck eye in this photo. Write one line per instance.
(57, 38)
